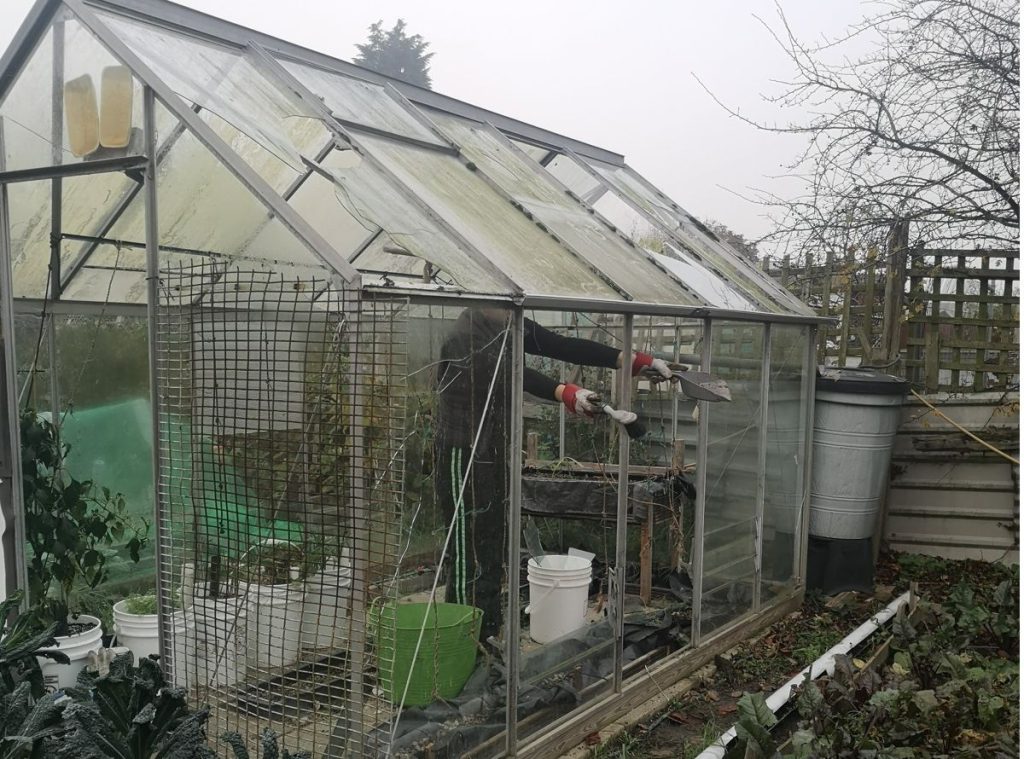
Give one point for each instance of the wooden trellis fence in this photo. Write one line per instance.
(946, 319)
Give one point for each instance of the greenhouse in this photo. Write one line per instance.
(291, 310)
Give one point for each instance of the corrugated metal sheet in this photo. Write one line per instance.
(948, 496)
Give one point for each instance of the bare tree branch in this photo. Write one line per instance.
(924, 126)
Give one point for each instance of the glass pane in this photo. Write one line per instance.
(365, 194)
(27, 128)
(222, 80)
(32, 362)
(569, 505)
(107, 421)
(316, 201)
(737, 271)
(204, 209)
(454, 523)
(569, 173)
(360, 102)
(535, 152)
(628, 267)
(712, 288)
(731, 478)
(784, 478)
(29, 205)
(516, 245)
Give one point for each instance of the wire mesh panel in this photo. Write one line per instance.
(282, 401)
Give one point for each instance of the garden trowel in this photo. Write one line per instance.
(700, 386)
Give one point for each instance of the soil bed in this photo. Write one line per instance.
(763, 664)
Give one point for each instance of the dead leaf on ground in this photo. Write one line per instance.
(727, 709)
(713, 695)
(593, 739)
(679, 718)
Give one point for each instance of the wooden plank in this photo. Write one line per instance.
(532, 446)
(966, 272)
(868, 307)
(895, 280)
(933, 338)
(648, 714)
(844, 326)
(979, 358)
(958, 311)
(1000, 252)
(826, 305)
(568, 732)
(1007, 314)
(985, 298)
(958, 343)
(991, 368)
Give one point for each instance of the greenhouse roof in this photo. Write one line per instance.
(267, 152)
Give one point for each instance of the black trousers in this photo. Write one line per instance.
(475, 560)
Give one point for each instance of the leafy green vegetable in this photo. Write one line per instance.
(141, 604)
(132, 713)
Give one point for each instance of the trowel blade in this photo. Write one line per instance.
(702, 386)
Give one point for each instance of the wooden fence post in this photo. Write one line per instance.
(868, 318)
(895, 281)
(826, 305)
(932, 335)
(980, 382)
(844, 326)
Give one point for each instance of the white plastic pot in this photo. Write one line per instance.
(325, 601)
(274, 624)
(139, 632)
(77, 648)
(212, 641)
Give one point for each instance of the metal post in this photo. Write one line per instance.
(152, 303)
(697, 562)
(675, 396)
(619, 584)
(359, 522)
(515, 492)
(762, 464)
(11, 495)
(810, 377)
(561, 406)
(56, 203)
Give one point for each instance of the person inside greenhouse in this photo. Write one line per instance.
(473, 384)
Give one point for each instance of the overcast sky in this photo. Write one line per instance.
(616, 74)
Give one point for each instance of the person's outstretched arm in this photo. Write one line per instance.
(539, 341)
(577, 400)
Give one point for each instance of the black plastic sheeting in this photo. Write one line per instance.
(575, 497)
(453, 728)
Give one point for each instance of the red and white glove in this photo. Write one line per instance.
(658, 369)
(579, 400)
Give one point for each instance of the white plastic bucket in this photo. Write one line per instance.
(559, 588)
(213, 641)
(274, 623)
(139, 632)
(325, 607)
(182, 626)
(77, 648)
